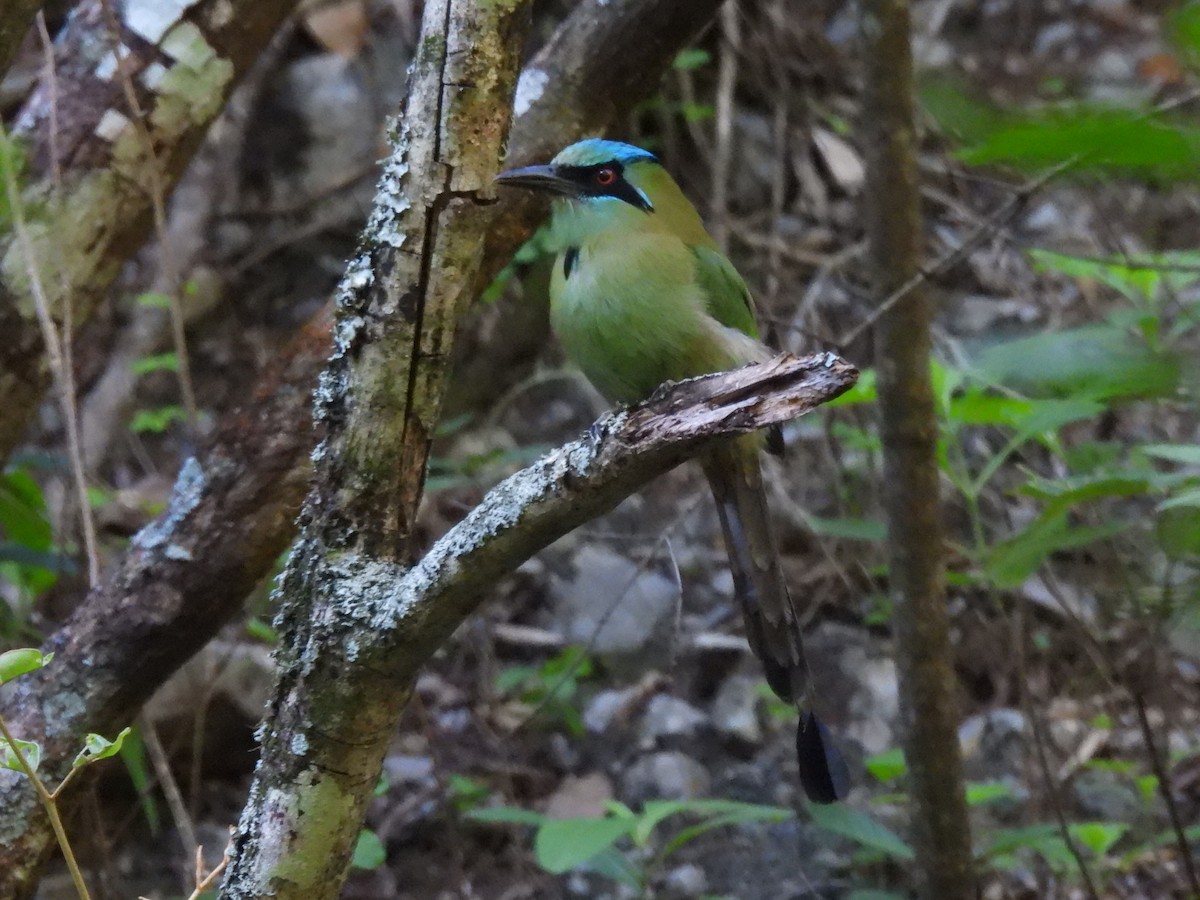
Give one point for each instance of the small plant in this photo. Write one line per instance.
(551, 688)
(590, 844)
(25, 756)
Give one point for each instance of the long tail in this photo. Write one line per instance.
(772, 626)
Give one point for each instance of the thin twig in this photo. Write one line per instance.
(203, 884)
(166, 780)
(1043, 758)
(64, 377)
(982, 232)
(727, 68)
(1164, 791)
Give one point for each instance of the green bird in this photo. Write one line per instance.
(641, 295)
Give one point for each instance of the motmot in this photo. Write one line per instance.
(640, 295)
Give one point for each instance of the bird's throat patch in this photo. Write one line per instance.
(569, 259)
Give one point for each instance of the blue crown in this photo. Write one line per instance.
(594, 151)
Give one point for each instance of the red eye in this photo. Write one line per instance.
(605, 177)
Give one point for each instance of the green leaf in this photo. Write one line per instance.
(23, 511)
(960, 114)
(859, 827)
(696, 112)
(1183, 28)
(1183, 498)
(511, 815)
(1099, 837)
(1043, 839)
(156, 420)
(739, 814)
(31, 750)
(1178, 526)
(1063, 493)
(168, 362)
(614, 864)
(1090, 363)
(96, 748)
(691, 58)
(1010, 562)
(563, 844)
(863, 391)
(1187, 454)
(154, 301)
(369, 852)
(984, 792)
(133, 755)
(1125, 141)
(1137, 283)
(978, 407)
(887, 766)
(15, 663)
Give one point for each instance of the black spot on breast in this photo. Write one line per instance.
(569, 259)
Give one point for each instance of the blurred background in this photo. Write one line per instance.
(611, 668)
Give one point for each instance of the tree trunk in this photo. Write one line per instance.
(909, 432)
(338, 697)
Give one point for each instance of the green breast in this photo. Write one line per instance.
(631, 315)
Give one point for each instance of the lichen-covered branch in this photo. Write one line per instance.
(181, 62)
(334, 708)
(401, 616)
(942, 836)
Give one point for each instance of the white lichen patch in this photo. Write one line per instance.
(107, 65)
(186, 44)
(152, 18)
(185, 497)
(346, 333)
(298, 744)
(530, 87)
(111, 124)
(152, 75)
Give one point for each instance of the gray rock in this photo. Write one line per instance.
(735, 709)
(400, 768)
(668, 716)
(604, 708)
(1107, 796)
(686, 881)
(668, 775)
(610, 603)
(993, 745)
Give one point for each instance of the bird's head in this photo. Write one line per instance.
(606, 188)
(594, 174)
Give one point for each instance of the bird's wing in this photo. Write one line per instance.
(725, 293)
